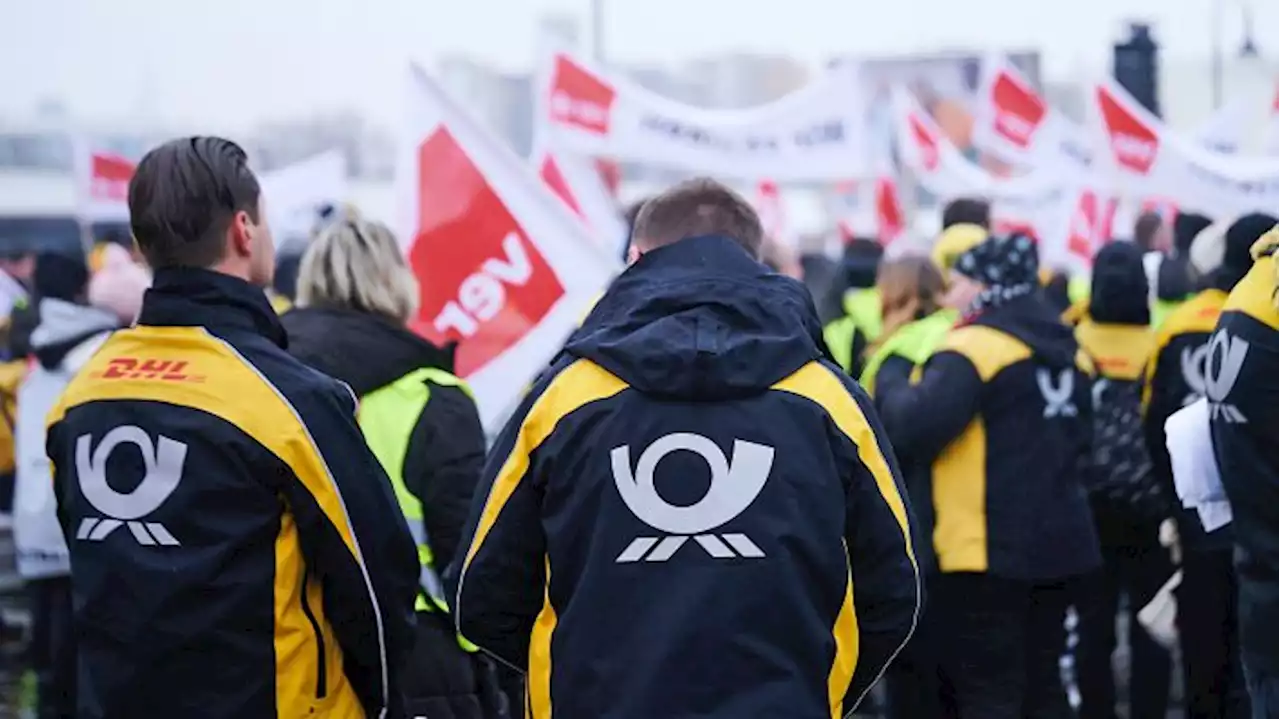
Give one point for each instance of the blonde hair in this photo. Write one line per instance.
(356, 264)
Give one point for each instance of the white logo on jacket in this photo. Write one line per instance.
(1223, 361)
(1057, 395)
(735, 483)
(163, 463)
(1195, 368)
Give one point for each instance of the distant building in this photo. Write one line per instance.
(501, 102)
(739, 80)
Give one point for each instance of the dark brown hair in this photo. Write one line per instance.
(183, 197)
(696, 208)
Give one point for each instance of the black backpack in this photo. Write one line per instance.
(1122, 478)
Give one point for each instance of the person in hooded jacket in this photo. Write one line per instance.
(1243, 395)
(1169, 271)
(694, 512)
(355, 292)
(1002, 410)
(915, 323)
(258, 564)
(1128, 502)
(858, 322)
(1177, 375)
(69, 332)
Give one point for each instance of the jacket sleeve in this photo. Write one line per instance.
(893, 375)
(354, 538)
(1162, 394)
(879, 534)
(443, 465)
(498, 577)
(923, 418)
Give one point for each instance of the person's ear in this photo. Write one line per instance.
(633, 254)
(241, 234)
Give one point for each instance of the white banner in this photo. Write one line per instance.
(1013, 121)
(1060, 209)
(506, 270)
(295, 194)
(816, 133)
(1146, 159)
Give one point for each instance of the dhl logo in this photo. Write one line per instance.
(135, 368)
(1113, 362)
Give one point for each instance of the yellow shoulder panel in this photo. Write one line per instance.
(1256, 294)
(990, 350)
(188, 367)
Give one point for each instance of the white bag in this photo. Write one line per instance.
(1160, 615)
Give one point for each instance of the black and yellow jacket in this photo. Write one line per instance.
(236, 549)
(1128, 502)
(1119, 351)
(1242, 390)
(1174, 378)
(1002, 409)
(694, 512)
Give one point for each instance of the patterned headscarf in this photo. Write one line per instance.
(1007, 266)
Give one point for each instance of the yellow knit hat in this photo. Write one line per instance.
(955, 241)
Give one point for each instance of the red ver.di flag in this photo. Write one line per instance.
(1146, 159)
(505, 269)
(102, 183)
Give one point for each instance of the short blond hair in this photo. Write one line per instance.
(356, 264)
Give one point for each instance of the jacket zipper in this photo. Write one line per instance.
(321, 674)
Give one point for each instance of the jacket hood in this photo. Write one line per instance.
(63, 326)
(1174, 279)
(363, 350)
(1033, 321)
(701, 320)
(860, 262)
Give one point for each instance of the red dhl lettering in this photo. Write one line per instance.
(148, 369)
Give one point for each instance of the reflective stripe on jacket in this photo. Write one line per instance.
(387, 417)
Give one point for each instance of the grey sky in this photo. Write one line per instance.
(231, 63)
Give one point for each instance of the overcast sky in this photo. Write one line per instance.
(231, 63)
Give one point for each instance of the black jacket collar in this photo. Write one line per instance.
(185, 297)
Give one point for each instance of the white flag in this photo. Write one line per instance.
(505, 269)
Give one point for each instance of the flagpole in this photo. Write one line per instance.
(1216, 59)
(597, 31)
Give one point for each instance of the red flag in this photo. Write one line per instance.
(1019, 109)
(1133, 144)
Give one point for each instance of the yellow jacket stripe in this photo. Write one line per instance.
(819, 385)
(262, 413)
(578, 384)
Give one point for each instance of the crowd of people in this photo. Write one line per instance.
(730, 494)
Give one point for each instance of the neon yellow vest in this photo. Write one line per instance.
(915, 342)
(861, 313)
(1160, 309)
(387, 417)
(1078, 289)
